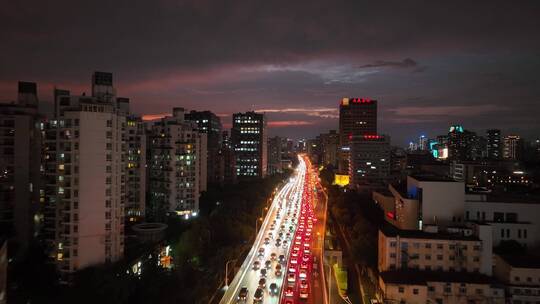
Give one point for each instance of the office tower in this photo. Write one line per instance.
(136, 168)
(512, 147)
(274, 155)
(494, 143)
(370, 159)
(330, 146)
(85, 172)
(250, 144)
(357, 117)
(175, 172)
(20, 159)
(210, 124)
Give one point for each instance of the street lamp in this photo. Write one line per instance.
(257, 224)
(227, 273)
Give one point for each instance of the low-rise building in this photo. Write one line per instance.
(421, 287)
(463, 251)
(423, 200)
(521, 274)
(513, 216)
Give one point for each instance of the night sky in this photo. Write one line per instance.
(429, 63)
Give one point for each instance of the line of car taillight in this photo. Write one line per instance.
(300, 249)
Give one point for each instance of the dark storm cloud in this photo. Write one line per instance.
(237, 55)
(406, 63)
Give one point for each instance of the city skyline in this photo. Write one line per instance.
(460, 72)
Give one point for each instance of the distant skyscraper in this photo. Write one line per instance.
(274, 155)
(227, 161)
(357, 117)
(464, 144)
(177, 149)
(512, 147)
(422, 143)
(85, 177)
(20, 159)
(249, 138)
(210, 124)
(330, 148)
(494, 146)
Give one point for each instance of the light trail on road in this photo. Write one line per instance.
(282, 217)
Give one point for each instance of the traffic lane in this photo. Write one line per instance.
(247, 276)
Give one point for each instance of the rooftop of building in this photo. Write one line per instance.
(419, 277)
(391, 231)
(522, 260)
(432, 178)
(519, 197)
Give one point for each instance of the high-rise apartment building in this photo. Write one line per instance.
(136, 168)
(210, 124)
(85, 177)
(20, 159)
(177, 149)
(512, 147)
(494, 145)
(357, 117)
(250, 142)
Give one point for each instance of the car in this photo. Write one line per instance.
(268, 264)
(289, 292)
(291, 277)
(263, 272)
(303, 284)
(306, 251)
(304, 265)
(266, 241)
(302, 274)
(294, 261)
(289, 302)
(305, 257)
(273, 256)
(270, 235)
(242, 295)
(292, 269)
(261, 251)
(273, 289)
(262, 283)
(303, 293)
(281, 258)
(256, 265)
(294, 253)
(258, 296)
(278, 273)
